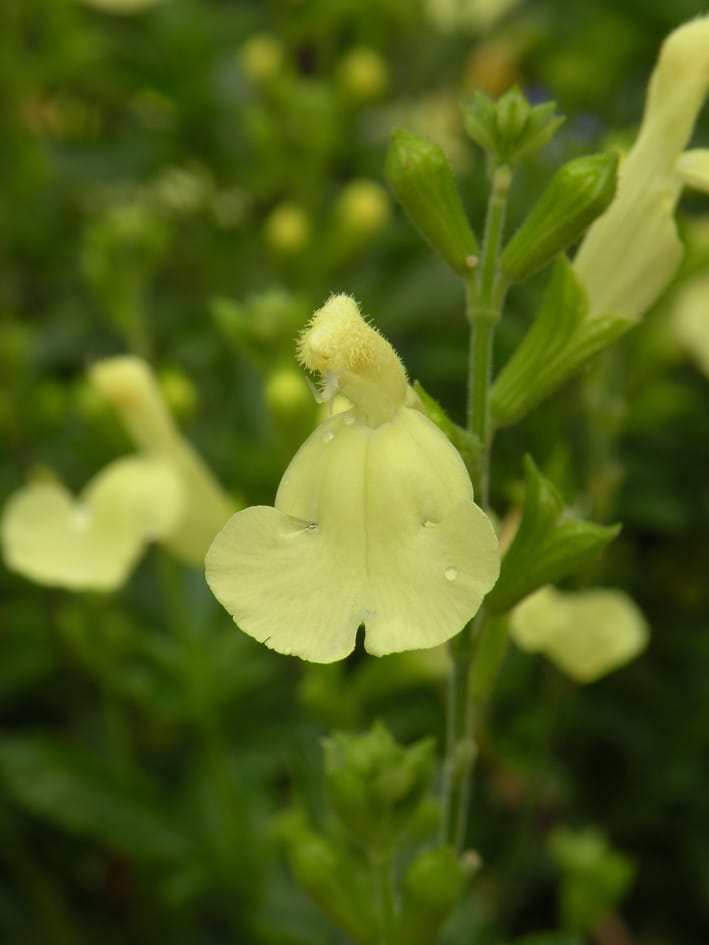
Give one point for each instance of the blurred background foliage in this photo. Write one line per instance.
(187, 180)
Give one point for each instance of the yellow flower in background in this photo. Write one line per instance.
(167, 494)
(587, 634)
(127, 382)
(632, 251)
(93, 542)
(374, 521)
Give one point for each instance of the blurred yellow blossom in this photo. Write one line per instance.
(632, 251)
(587, 634)
(93, 542)
(128, 383)
(374, 520)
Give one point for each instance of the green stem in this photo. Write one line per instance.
(485, 293)
(383, 883)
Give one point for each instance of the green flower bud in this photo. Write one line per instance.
(376, 785)
(513, 111)
(547, 546)
(594, 876)
(509, 128)
(330, 877)
(432, 884)
(421, 177)
(577, 194)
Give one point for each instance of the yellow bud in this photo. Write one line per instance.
(364, 73)
(261, 57)
(287, 229)
(363, 207)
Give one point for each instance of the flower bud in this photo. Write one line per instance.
(376, 785)
(421, 177)
(432, 884)
(509, 128)
(261, 57)
(577, 194)
(287, 229)
(364, 73)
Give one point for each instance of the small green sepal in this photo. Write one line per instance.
(578, 193)
(375, 785)
(562, 338)
(548, 545)
(421, 178)
(431, 887)
(509, 128)
(331, 877)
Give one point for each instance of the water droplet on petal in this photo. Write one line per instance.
(328, 436)
(429, 524)
(350, 420)
(450, 574)
(82, 516)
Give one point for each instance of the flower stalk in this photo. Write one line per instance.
(485, 291)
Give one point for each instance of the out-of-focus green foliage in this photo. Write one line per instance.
(178, 182)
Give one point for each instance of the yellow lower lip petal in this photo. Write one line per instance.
(91, 543)
(373, 526)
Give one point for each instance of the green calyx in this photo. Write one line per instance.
(578, 193)
(375, 785)
(422, 180)
(547, 546)
(509, 128)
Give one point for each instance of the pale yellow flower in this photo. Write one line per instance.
(93, 542)
(587, 634)
(127, 382)
(632, 251)
(374, 521)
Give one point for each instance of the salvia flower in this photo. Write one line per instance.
(91, 542)
(632, 251)
(165, 493)
(374, 521)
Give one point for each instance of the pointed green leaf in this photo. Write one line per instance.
(73, 790)
(562, 338)
(547, 546)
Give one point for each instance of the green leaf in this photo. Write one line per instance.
(67, 786)
(420, 175)
(562, 338)
(547, 546)
(578, 193)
